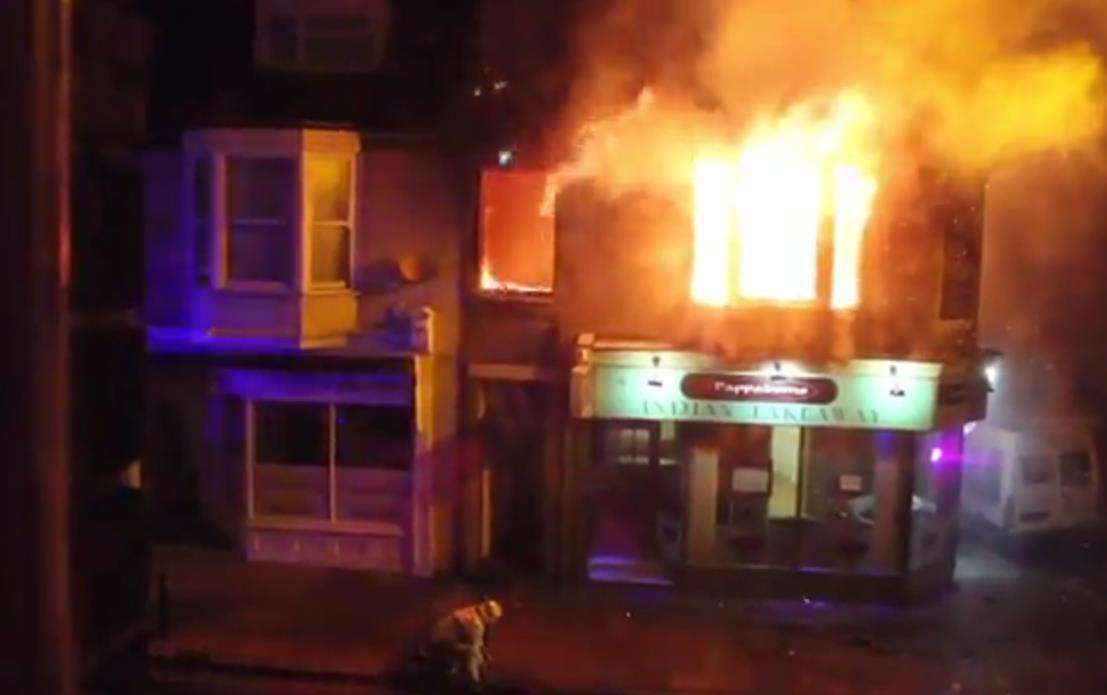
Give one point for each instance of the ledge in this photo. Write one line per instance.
(352, 528)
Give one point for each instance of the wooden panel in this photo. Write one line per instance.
(353, 551)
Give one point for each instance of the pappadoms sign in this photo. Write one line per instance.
(756, 387)
(827, 400)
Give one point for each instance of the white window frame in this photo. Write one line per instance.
(225, 224)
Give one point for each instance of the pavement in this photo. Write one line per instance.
(1005, 628)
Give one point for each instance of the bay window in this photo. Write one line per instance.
(259, 215)
(272, 210)
(329, 201)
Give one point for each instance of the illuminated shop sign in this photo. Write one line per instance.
(863, 394)
(755, 387)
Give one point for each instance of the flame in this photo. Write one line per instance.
(760, 213)
(490, 283)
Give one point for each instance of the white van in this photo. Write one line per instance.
(1043, 477)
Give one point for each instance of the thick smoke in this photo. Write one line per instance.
(975, 84)
(1011, 90)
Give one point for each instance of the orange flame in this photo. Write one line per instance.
(760, 212)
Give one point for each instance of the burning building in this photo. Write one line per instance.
(750, 386)
(731, 338)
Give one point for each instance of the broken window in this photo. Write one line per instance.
(516, 233)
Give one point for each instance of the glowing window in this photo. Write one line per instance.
(759, 226)
(782, 218)
(516, 234)
(329, 182)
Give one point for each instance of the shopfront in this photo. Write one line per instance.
(696, 468)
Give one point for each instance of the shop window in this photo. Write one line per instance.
(320, 36)
(260, 228)
(1036, 470)
(1076, 469)
(744, 480)
(304, 451)
(516, 234)
(201, 220)
(627, 445)
(331, 216)
(291, 460)
(667, 455)
(839, 472)
(372, 436)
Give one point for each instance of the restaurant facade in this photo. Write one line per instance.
(760, 449)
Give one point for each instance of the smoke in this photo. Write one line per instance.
(976, 84)
(1043, 287)
(1013, 90)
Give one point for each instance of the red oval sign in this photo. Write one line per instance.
(764, 389)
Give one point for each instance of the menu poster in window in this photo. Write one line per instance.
(850, 483)
(753, 481)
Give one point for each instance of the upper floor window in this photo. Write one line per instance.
(774, 227)
(272, 209)
(340, 36)
(516, 233)
(331, 213)
(259, 219)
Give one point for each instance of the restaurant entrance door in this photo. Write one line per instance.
(635, 505)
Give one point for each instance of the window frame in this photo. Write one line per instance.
(828, 258)
(508, 293)
(295, 227)
(332, 517)
(309, 222)
(376, 18)
(200, 222)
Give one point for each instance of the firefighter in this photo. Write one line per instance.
(461, 638)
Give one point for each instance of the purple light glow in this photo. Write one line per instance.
(936, 454)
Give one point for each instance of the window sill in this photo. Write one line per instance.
(360, 528)
(541, 298)
(329, 291)
(262, 288)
